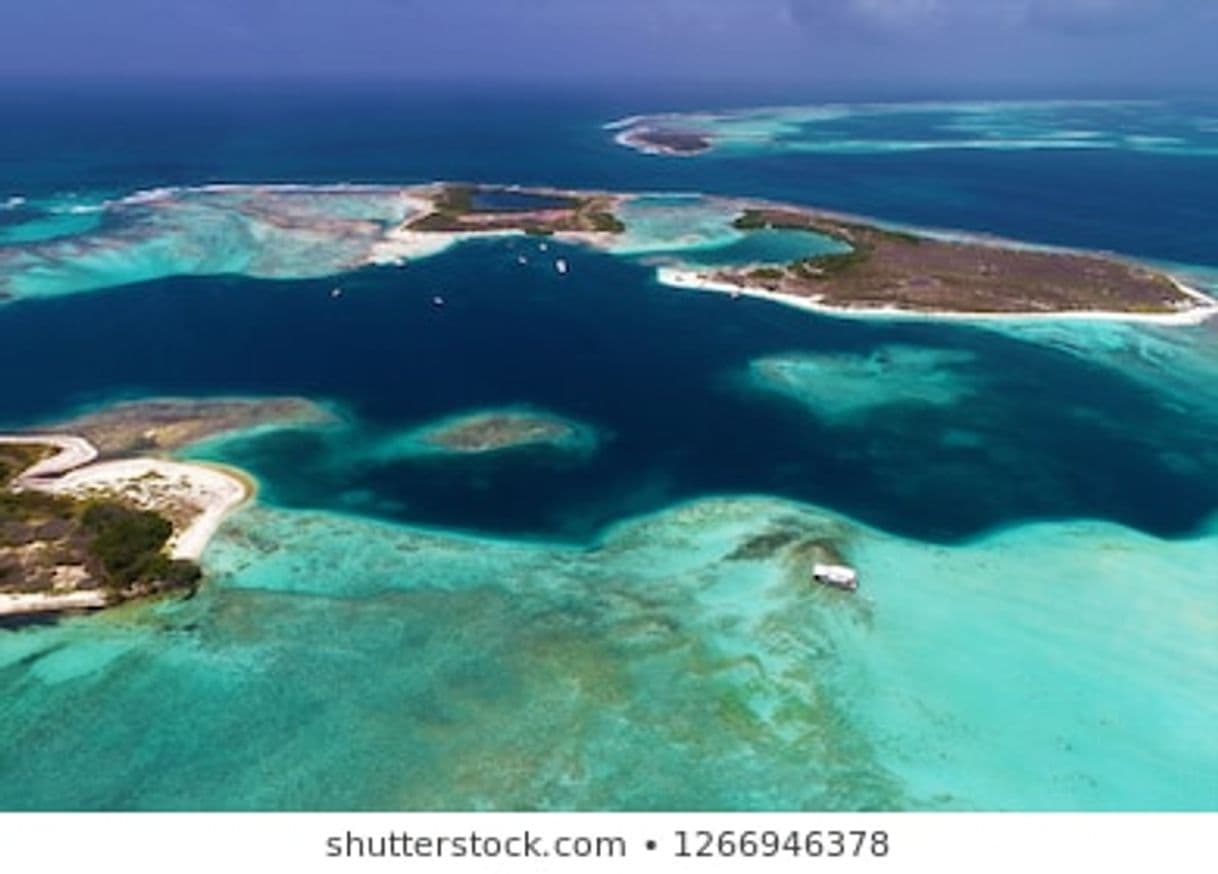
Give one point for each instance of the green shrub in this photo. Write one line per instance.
(25, 506)
(839, 262)
(768, 273)
(751, 220)
(456, 199)
(16, 457)
(607, 222)
(127, 542)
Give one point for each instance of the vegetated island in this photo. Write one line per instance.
(664, 140)
(457, 208)
(879, 271)
(489, 431)
(890, 272)
(84, 524)
(446, 212)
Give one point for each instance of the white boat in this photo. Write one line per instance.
(336, 292)
(839, 576)
(437, 301)
(561, 266)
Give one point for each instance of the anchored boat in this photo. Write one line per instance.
(838, 576)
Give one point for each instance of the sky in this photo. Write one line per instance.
(965, 44)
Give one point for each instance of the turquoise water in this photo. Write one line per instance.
(670, 223)
(305, 232)
(22, 224)
(1147, 126)
(624, 622)
(274, 232)
(853, 387)
(697, 230)
(557, 677)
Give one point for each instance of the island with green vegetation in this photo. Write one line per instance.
(60, 552)
(465, 208)
(884, 269)
(93, 513)
(663, 136)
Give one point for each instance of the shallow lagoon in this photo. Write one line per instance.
(460, 672)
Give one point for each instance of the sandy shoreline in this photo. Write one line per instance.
(196, 498)
(401, 245)
(73, 452)
(700, 280)
(36, 603)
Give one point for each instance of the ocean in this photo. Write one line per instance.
(1032, 507)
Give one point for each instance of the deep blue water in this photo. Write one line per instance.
(656, 371)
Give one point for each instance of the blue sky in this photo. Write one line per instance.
(976, 44)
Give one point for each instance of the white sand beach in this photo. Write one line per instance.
(73, 452)
(195, 497)
(40, 602)
(400, 245)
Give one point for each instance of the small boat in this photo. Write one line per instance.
(837, 576)
(561, 266)
(437, 301)
(336, 292)
(541, 247)
(521, 259)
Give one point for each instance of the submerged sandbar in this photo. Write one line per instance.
(848, 387)
(166, 424)
(499, 430)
